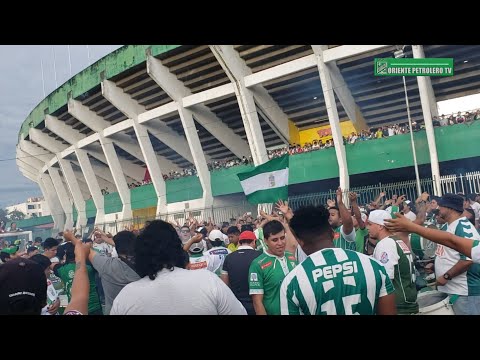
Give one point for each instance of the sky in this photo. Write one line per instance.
(21, 90)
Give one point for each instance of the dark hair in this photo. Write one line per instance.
(50, 243)
(42, 260)
(125, 242)
(471, 197)
(69, 252)
(38, 239)
(245, 241)
(334, 208)
(233, 230)
(246, 227)
(4, 256)
(472, 217)
(309, 223)
(158, 247)
(271, 228)
(31, 249)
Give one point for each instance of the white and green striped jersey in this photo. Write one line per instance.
(476, 252)
(334, 282)
(464, 284)
(344, 241)
(397, 259)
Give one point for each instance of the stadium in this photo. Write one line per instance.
(160, 131)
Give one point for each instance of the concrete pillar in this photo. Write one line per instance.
(426, 109)
(132, 109)
(63, 197)
(48, 190)
(77, 195)
(197, 152)
(118, 176)
(236, 70)
(92, 183)
(333, 119)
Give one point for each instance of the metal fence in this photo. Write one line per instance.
(470, 182)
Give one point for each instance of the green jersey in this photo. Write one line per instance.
(66, 272)
(344, 241)
(361, 238)
(395, 255)
(265, 276)
(335, 282)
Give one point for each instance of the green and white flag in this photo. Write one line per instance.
(267, 182)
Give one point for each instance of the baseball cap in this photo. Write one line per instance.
(378, 217)
(197, 247)
(10, 250)
(202, 230)
(23, 287)
(247, 235)
(216, 235)
(407, 202)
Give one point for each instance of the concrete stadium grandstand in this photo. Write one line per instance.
(144, 114)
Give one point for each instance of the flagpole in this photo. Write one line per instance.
(43, 78)
(54, 67)
(69, 60)
(88, 55)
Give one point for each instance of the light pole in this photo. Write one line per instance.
(401, 54)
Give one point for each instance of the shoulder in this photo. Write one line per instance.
(290, 256)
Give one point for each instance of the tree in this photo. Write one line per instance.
(16, 215)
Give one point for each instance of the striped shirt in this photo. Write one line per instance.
(334, 281)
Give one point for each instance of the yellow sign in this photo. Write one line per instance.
(324, 133)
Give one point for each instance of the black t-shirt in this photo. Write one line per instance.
(237, 265)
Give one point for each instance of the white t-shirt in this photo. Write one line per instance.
(103, 248)
(216, 258)
(386, 252)
(178, 292)
(476, 253)
(446, 258)
(476, 209)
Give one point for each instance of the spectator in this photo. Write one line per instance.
(166, 287)
(320, 294)
(236, 268)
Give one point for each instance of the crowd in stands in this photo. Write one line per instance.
(256, 265)
(293, 149)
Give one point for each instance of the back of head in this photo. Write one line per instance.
(233, 230)
(31, 249)
(471, 197)
(246, 227)
(42, 260)
(23, 288)
(158, 247)
(310, 223)
(50, 243)
(69, 252)
(125, 243)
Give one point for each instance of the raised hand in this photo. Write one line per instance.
(282, 206)
(330, 203)
(352, 196)
(339, 195)
(400, 224)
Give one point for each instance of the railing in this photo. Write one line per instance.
(468, 183)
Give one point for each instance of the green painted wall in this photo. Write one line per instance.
(28, 223)
(453, 143)
(113, 64)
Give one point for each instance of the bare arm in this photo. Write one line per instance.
(81, 285)
(344, 213)
(459, 268)
(225, 279)
(258, 304)
(356, 210)
(386, 305)
(462, 245)
(378, 198)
